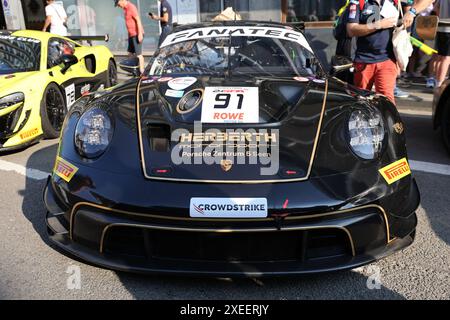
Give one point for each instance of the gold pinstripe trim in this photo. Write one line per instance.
(105, 230)
(308, 173)
(80, 204)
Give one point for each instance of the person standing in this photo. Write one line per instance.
(135, 30)
(165, 20)
(56, 18)
(374, 61)
(443, 42)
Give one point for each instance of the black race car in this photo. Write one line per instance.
(235, 155)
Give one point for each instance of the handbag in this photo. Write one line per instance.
(64, 22)
(401, 42)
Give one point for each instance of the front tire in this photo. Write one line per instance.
(111, 80)
(53, 111)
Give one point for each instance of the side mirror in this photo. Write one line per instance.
(68, 60)
(340, 64)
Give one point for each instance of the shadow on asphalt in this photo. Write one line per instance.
(33, 207)
(330, 286)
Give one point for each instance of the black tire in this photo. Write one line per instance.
(111, 77)
(53, 111)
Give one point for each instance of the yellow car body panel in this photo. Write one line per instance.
(76, 81)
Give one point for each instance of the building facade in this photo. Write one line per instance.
(97, 17)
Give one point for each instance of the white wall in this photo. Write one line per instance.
(13, 14)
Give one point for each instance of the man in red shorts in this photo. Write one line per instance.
(135, 30)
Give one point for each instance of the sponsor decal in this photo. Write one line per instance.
(228, 208)
(164, 79)
(398, 127)
(230, 105)
(301, 79)
(182, 83)
(174, 93)
(70, 95)
(22, 39)
(315, 80)
(226, 165)
(29, 133)
(64, 169)
(396, 171)
(85, 89)
(148, 81)
(237, 31)
(262, 137)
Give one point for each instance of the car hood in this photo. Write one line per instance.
(8, 81)
(182, 146)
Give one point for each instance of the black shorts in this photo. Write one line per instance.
(134, 46)
(443, 43)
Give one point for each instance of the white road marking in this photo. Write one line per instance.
(27, 172)
(35, 174)
(410, 112)
(430, 167)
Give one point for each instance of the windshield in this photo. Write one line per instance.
(19, 54)
(235, 55)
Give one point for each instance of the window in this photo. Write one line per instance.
(313, 10)
(56, 49)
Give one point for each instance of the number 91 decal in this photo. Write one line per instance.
(230, 105)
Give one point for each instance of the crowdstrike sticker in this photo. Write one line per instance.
(238, 31)
(228, 208)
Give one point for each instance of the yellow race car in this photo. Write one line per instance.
(41, 76)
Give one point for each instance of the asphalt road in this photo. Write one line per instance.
(30, 268)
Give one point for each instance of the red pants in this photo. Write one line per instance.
(382, 74)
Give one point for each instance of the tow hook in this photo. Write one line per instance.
(279, 219)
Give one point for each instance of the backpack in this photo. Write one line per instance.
(340, 24)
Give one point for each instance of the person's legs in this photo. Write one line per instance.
(386, 78)
(364, 75)
(444, 59)
(442, 69)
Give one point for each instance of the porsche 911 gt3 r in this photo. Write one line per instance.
(41, 76)
(236, 155)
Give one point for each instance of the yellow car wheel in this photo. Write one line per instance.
(53, 111)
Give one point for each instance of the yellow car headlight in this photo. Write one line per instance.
(11, 100)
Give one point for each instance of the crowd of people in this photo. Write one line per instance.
(371, 24)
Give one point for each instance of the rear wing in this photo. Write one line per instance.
(89, 39)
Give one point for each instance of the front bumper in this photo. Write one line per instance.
(155, 243)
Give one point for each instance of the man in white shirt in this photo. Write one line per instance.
(56, 18)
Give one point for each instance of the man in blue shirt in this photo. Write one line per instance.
(165, 20)
(375, 62)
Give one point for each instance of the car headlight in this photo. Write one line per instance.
(366, 133)
(11, 100)
(93, 133)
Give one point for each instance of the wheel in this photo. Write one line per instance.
(111, 74)
(53, 111)
(445, 126)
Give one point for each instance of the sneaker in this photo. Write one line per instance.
(431, 83)
(400, 94)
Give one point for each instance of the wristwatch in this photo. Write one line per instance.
(413, 11)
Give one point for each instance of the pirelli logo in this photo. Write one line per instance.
(29, 133)
(396, 171)
(64, 169)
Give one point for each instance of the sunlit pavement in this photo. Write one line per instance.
(31, 268)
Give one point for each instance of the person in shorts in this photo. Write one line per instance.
(135, 30)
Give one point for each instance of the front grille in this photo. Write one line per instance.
(8, 122)
(228, 247)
